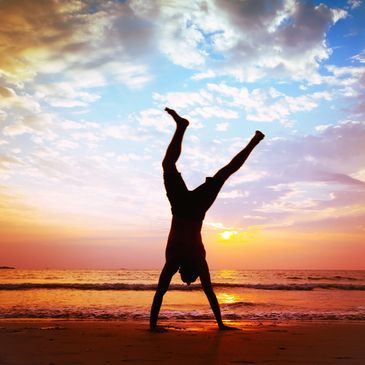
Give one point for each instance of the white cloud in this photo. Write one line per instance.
(267, 104)
(15, 129)
(70, 124)
(65, 144)
(132, 157)
(10, 100)
(3, 115)
(343, 71)
(6, 92)
(65, 95)
(245, 177)
(123, 132)
(157, 119)
(222, 127)
(233, 194)
(182, 100)
(322, 127)
(7, 160)
(233, 29)
(354, 3)
(87, 44)
(92, 137)
(214, 37)
(359, 57)
(225, 102)
(214, 112)
(134, 75)
(34, 124)
(359, 175)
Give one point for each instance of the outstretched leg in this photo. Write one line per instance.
(237, 161)
(174, 149)
(166, 275)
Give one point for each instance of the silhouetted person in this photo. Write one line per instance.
(185, 250)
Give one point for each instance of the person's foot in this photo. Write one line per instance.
(179, 120)
(259, 136)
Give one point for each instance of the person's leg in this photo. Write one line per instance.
(207, 192)
(209, 292)
(237, 161)
(166, 275)
(174, 149)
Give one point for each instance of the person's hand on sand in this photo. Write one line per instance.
(158, 329)
(224, 327)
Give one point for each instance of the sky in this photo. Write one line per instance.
(83, 85)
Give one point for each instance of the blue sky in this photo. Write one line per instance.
(83, 85)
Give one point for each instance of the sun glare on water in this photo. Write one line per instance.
(227, 298)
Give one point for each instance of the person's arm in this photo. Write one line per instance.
(209, 292)
(167, 273)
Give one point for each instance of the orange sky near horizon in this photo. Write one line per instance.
(38, 244)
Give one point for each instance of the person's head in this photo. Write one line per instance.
(189, 272)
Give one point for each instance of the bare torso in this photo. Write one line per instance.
(185, 239)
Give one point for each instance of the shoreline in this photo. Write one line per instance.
(66, 342)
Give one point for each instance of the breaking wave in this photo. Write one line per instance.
(176, 315)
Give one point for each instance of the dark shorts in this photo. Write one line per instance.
(190, 204)
(189, 269)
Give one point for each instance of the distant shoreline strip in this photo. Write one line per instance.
(142, 287)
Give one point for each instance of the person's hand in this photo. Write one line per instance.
(158, 329)
(224, 327)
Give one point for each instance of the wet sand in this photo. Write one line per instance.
(70, 342)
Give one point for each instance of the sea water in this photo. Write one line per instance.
(127, 294)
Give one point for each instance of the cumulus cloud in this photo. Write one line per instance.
(315, 176)
(182, 100)
(7, 160)
(36, 123)
(65, 95)
(234, 194)
(49, 37)
(9, 100)
(360, 57)
(310, 180)
(351, 81)
(246, 39)
(215, 112)
(156, 119)
(353, 4)
(267, 105)
(220, 100)
(124, 132)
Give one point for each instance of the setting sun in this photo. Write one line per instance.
(227, 235)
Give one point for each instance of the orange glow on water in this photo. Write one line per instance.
(227, 298)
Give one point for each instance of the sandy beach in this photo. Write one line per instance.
(64, 342)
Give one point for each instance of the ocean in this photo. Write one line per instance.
(127, 294)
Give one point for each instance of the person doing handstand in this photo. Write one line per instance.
(185, 250)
